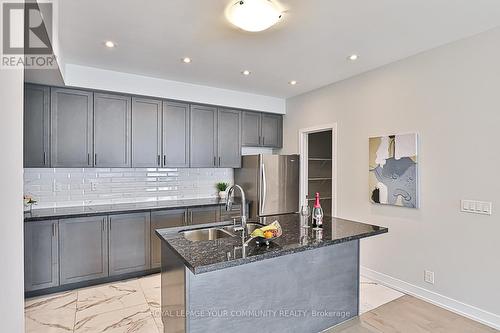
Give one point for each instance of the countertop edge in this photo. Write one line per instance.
(117, 212)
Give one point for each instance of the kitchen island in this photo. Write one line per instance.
(304, 281)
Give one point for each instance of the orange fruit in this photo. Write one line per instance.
(268, 234)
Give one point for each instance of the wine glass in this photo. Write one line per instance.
(305, 212)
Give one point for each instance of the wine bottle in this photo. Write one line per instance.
(317, 214)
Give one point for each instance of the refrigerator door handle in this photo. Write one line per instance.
(263, 189)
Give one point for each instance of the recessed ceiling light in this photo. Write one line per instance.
(109, 44)
(246, 72)
(353, 57)
(253, 15)
(186, 60)
(293, 82)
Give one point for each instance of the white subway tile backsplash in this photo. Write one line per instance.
(62, 187)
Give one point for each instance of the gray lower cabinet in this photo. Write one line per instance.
(250, 131)
(146, 132)
(272, 127)
(36, 126)
(175, 137)
(229, 138)
(83, 249)
(112, 130)
(203, 137)
(71, 126)
(41, 255)
(129, 238)
(160, 220)
(203, 215)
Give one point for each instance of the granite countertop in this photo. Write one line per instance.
(85, 211)
(206, 256)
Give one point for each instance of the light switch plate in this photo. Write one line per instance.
(476, 207)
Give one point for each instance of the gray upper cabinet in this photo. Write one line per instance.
(229, 138)
(71, 127)
(83, 247)
(175, 135)
(36, 126)
(160, 220)
(112, 130)
(262, 130)
(41, 256)
(146, 132)
(203, 137)
(250, 129)
(271, 130)
(129, 236)
(203, 215)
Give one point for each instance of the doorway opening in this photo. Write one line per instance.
(318, 167)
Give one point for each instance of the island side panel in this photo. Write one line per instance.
(173, 291)
(303, 292)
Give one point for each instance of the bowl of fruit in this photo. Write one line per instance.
(267, 234)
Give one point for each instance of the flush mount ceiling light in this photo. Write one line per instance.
(253, 15)
(292, 83)
(246, 72)
(110, 44)
(353, 57)
(186, 60)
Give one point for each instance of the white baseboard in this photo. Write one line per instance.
(450, 304)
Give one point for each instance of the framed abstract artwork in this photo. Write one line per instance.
(393, 170)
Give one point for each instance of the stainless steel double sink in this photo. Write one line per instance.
(214, 233)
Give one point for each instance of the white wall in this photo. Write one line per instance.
(451, 97)
(95, 78)
(11, 201)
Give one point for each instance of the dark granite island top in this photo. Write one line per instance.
(93, 210)
(216, 286)
(206, 256)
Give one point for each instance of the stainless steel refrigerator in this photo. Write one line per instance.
(271, 183)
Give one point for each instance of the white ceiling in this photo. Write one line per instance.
(310, 45)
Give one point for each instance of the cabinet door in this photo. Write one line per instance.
(234, 213)
(112, 126)
(83, 249)
(146, 133)
(71, 128)
(250, 129)
(271, 130)
(229, 138)
(203, 215)
(160, 220)
(129, 236)
(175, 135)
(203, 137)
(41, 256)
(36, 126)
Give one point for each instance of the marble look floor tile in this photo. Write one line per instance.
(51, 314)
(109, 297)
(151, 286)
(372, 295)
(135, 319)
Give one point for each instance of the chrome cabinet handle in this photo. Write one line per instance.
(164, 160)
(159, 160)
(53, 230)
(214, 161)
(44, 158)
(219, 160)
(88, 158)
(95, 158)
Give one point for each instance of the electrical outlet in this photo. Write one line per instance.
(429, 277)
(93, 186)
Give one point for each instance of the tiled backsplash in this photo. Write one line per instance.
(76, 187)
